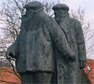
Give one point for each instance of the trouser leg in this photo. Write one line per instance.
(27, 78)
(43, 78)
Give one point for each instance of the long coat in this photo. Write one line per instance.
(34, 43)
(69, 72)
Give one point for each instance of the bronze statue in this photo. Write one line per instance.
(33, 48)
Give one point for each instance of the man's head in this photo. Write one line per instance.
(32, 6)
(60, 10)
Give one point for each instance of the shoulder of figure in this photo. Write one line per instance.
(43, 15)
(74, 20)
(49, 19)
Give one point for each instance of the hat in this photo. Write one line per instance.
(61, 6)
(34, 4)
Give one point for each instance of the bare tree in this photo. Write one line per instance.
(87, 30)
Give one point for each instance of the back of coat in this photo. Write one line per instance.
(35, 51)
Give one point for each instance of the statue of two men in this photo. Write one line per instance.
(46, 47)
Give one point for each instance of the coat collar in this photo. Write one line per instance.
(63, 17)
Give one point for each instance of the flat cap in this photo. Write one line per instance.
(61, 6)
(33, 4)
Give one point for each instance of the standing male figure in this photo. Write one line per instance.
(70, 72)
(33, 48)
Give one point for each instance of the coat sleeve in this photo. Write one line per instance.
(80, 42)
(14, 47)
(58, 37)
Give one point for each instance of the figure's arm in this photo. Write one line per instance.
(12, 51)
(81, 45)
(59, 39)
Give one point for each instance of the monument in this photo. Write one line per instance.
(33, 48)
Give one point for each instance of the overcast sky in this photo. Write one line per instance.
(88, 5)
